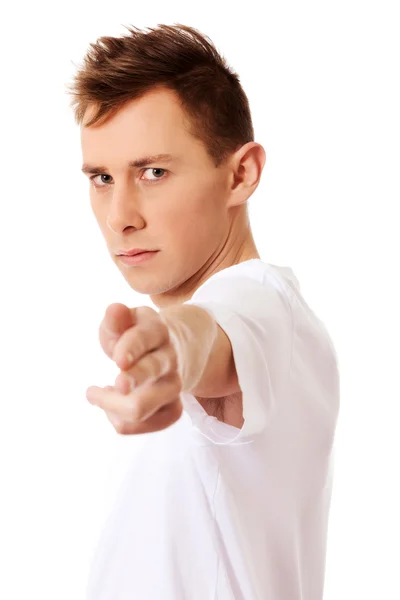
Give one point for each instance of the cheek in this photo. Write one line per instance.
(101, 219)
(100, 216)
(201, 204)
(96, 208)
(194, 220)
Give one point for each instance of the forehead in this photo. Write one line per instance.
(154, 121)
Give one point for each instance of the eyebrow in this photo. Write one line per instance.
(140, 162)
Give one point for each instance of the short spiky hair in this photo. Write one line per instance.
(177, 57)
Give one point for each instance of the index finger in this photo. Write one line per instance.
(117, 320)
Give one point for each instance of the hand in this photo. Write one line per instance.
(153, 401)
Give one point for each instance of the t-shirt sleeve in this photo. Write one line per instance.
(257, 318)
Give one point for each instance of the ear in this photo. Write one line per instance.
(246, 166)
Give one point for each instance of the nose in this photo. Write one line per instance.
(124, 213)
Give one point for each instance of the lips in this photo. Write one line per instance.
(138, 257)
(133, 252)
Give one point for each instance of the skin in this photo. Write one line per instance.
(195, 214)
(189, 210)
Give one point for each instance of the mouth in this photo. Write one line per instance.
(137, 258)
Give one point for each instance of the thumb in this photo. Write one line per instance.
(118, 318)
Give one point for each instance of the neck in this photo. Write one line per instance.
(239, 247)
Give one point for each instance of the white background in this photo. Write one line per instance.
(323, 83)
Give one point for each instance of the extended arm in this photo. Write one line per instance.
(204, 351)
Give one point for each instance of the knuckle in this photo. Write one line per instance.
(133, 415)
(120, 427)
(107, 343)
(136, 377)
(174, 412)
(173, 387)
(159, 333)
(140, 374)
(164, 330)
(167, 367)
(134, 411)
(178, 409)
(145, 311)
(139, 340)
(117, 423)
(153, 364)
(177, 387)
(173, 359)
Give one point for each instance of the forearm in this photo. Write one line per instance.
(193, 332)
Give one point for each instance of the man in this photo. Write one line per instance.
(234, 376)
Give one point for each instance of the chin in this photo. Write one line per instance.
(149, 286)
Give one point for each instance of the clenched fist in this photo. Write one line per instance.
(146, 394)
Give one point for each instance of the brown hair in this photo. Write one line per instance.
(177, 57)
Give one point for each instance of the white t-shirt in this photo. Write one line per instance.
(212, 512)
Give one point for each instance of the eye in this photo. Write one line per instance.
(156, 172)
(93, 177)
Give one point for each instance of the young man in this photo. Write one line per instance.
(234, 375)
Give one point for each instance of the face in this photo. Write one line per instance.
(177, 206)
